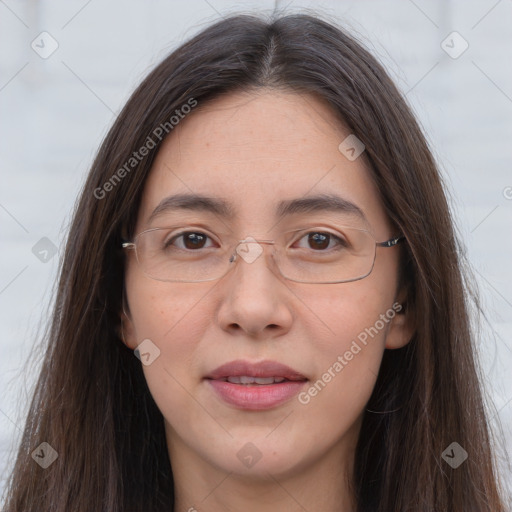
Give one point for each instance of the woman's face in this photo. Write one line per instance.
(254, 151)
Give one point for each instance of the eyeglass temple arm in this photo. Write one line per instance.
(391, 242)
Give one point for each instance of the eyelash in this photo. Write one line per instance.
(340, 242)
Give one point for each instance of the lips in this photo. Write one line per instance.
(254, 371)
(248, 380)
(255, 386)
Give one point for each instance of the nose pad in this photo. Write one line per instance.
(250, 250)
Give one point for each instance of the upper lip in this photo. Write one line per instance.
(240, 368)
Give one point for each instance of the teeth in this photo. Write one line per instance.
(242, 379)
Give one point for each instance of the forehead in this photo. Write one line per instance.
(256, 149)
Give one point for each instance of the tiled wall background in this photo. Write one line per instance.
(54, 112)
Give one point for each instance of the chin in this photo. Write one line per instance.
(261, 459)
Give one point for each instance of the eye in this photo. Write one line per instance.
(319, 241)
(190, 240)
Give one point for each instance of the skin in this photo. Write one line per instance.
(255, 149)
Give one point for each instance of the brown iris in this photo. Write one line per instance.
(318, 240)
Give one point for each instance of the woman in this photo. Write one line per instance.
(264, 227)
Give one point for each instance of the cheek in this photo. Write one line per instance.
(160, 310)
(174, 317)
(338, 314)
(347, 328)
(174, 320)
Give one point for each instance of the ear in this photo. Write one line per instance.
(126, 328)
(403, 325)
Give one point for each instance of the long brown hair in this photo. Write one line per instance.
(91, 401)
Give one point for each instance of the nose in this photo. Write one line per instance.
(255, 300)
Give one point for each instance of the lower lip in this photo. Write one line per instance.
(256, 397)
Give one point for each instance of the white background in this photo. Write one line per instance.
(54, 113)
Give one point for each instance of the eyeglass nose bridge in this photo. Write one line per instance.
(250, 253)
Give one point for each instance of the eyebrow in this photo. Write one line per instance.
(193, 202)
(222, 208)
(319, 203)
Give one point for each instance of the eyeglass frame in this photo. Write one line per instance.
(388, 243)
